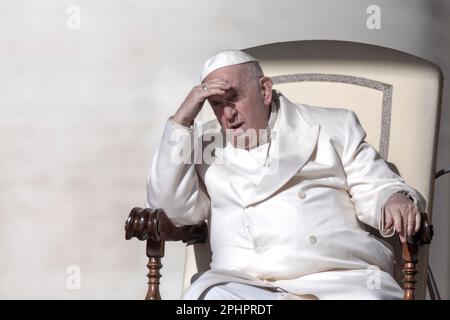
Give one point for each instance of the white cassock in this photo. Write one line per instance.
(288, 214)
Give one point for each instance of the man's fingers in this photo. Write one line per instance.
(221, 85)
(208, 90)
(216, 83)
(399, 225)
(195, 100)
(217, 80)
(388, 220)
(213, 92)
(405, 215)
(411, 221)
(418, 219)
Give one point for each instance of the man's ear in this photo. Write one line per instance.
(266, 90)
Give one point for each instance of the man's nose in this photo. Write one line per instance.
(230, 112)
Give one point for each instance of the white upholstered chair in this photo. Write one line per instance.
(395, 95)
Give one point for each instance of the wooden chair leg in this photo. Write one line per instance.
(409, 254)
(155, 251)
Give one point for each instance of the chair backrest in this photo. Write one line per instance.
(395, 95)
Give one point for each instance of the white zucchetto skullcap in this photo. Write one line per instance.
(224, 59)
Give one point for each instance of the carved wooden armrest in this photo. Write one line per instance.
(155, 227)
(410, 251)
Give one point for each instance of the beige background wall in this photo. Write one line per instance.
(81, 112)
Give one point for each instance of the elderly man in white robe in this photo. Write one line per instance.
(287, 190)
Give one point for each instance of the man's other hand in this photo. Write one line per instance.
(401, 213)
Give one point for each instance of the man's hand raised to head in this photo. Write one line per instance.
(194, 101)
(401, 213)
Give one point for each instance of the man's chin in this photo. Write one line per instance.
(244, 142)
(241, 138)
(237, 132)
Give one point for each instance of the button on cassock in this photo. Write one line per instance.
(301, 194)
(312, 239)
(246, 220)
(259, 250)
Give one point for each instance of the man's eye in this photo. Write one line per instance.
(234, 96)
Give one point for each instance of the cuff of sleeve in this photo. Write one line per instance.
(385, 233)
(179, 136)
(180, 127)
(178, 142)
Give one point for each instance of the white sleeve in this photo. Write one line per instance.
(370, 180)
(172, 182)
